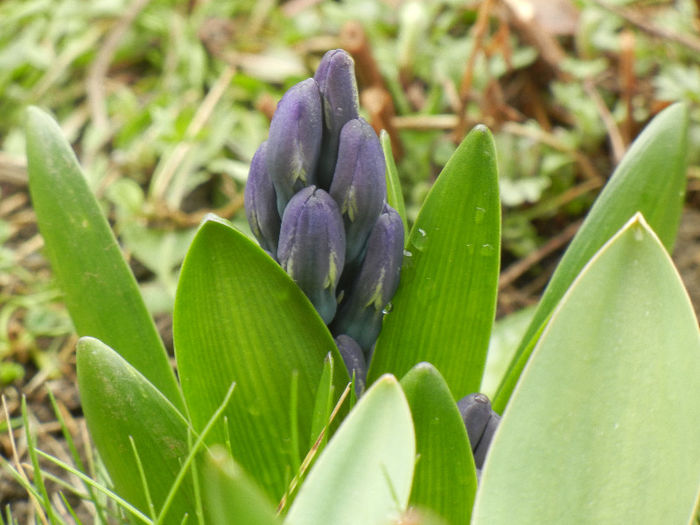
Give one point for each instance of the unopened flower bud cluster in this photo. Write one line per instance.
(316, 202)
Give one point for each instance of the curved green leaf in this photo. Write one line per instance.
(394, 196)
(119, 403)
(230, 496)
(240, 318)
(364, 474)
(445, 477)
(445, 304)
(651, 180)
(603, 426)
(100, 291)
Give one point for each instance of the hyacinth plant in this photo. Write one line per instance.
(598, 408)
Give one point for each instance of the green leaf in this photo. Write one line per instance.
(445, 477)
(120, 404)
(651, 180)
(603, 426)
(240, 318)
(394, 196)
(323, 405)
(230, 496)
(100, 291)
(364, 474)
(445, 304)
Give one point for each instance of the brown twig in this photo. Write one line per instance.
(354, 40)
(374, 95)
(479, 33)
(616, 142)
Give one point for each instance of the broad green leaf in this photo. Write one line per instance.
(603, 426)
(119, 403)
(394, 196)
(100, 291)
(651, 180)
(445, 304)
(445, 477)
(364, 474)
(230, 496)
(240, 318)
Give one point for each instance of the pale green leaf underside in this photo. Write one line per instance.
(603, 426)
(651, 180)
(445, 304)
(364, 474)
(240, 318)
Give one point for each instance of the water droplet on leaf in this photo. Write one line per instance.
(420, 240)
(487, 250)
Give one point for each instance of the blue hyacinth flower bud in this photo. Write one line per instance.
(261, 203)
(312, 247)
(361, 312)
(354, 360)
(336, 80)
(359, 185)
(294, 142)
(481, 422)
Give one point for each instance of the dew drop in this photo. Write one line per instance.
(387, 308)
(479, 215)
(470, 248)
(406, 253)
(486, 250)
(419, 241)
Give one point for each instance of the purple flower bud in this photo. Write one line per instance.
(481, 422)
(261, 204)
(476, 411)
(354, 359)
(336, 80)
(295, 141)
(361, 312)
(312, 247)
(359, 185)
